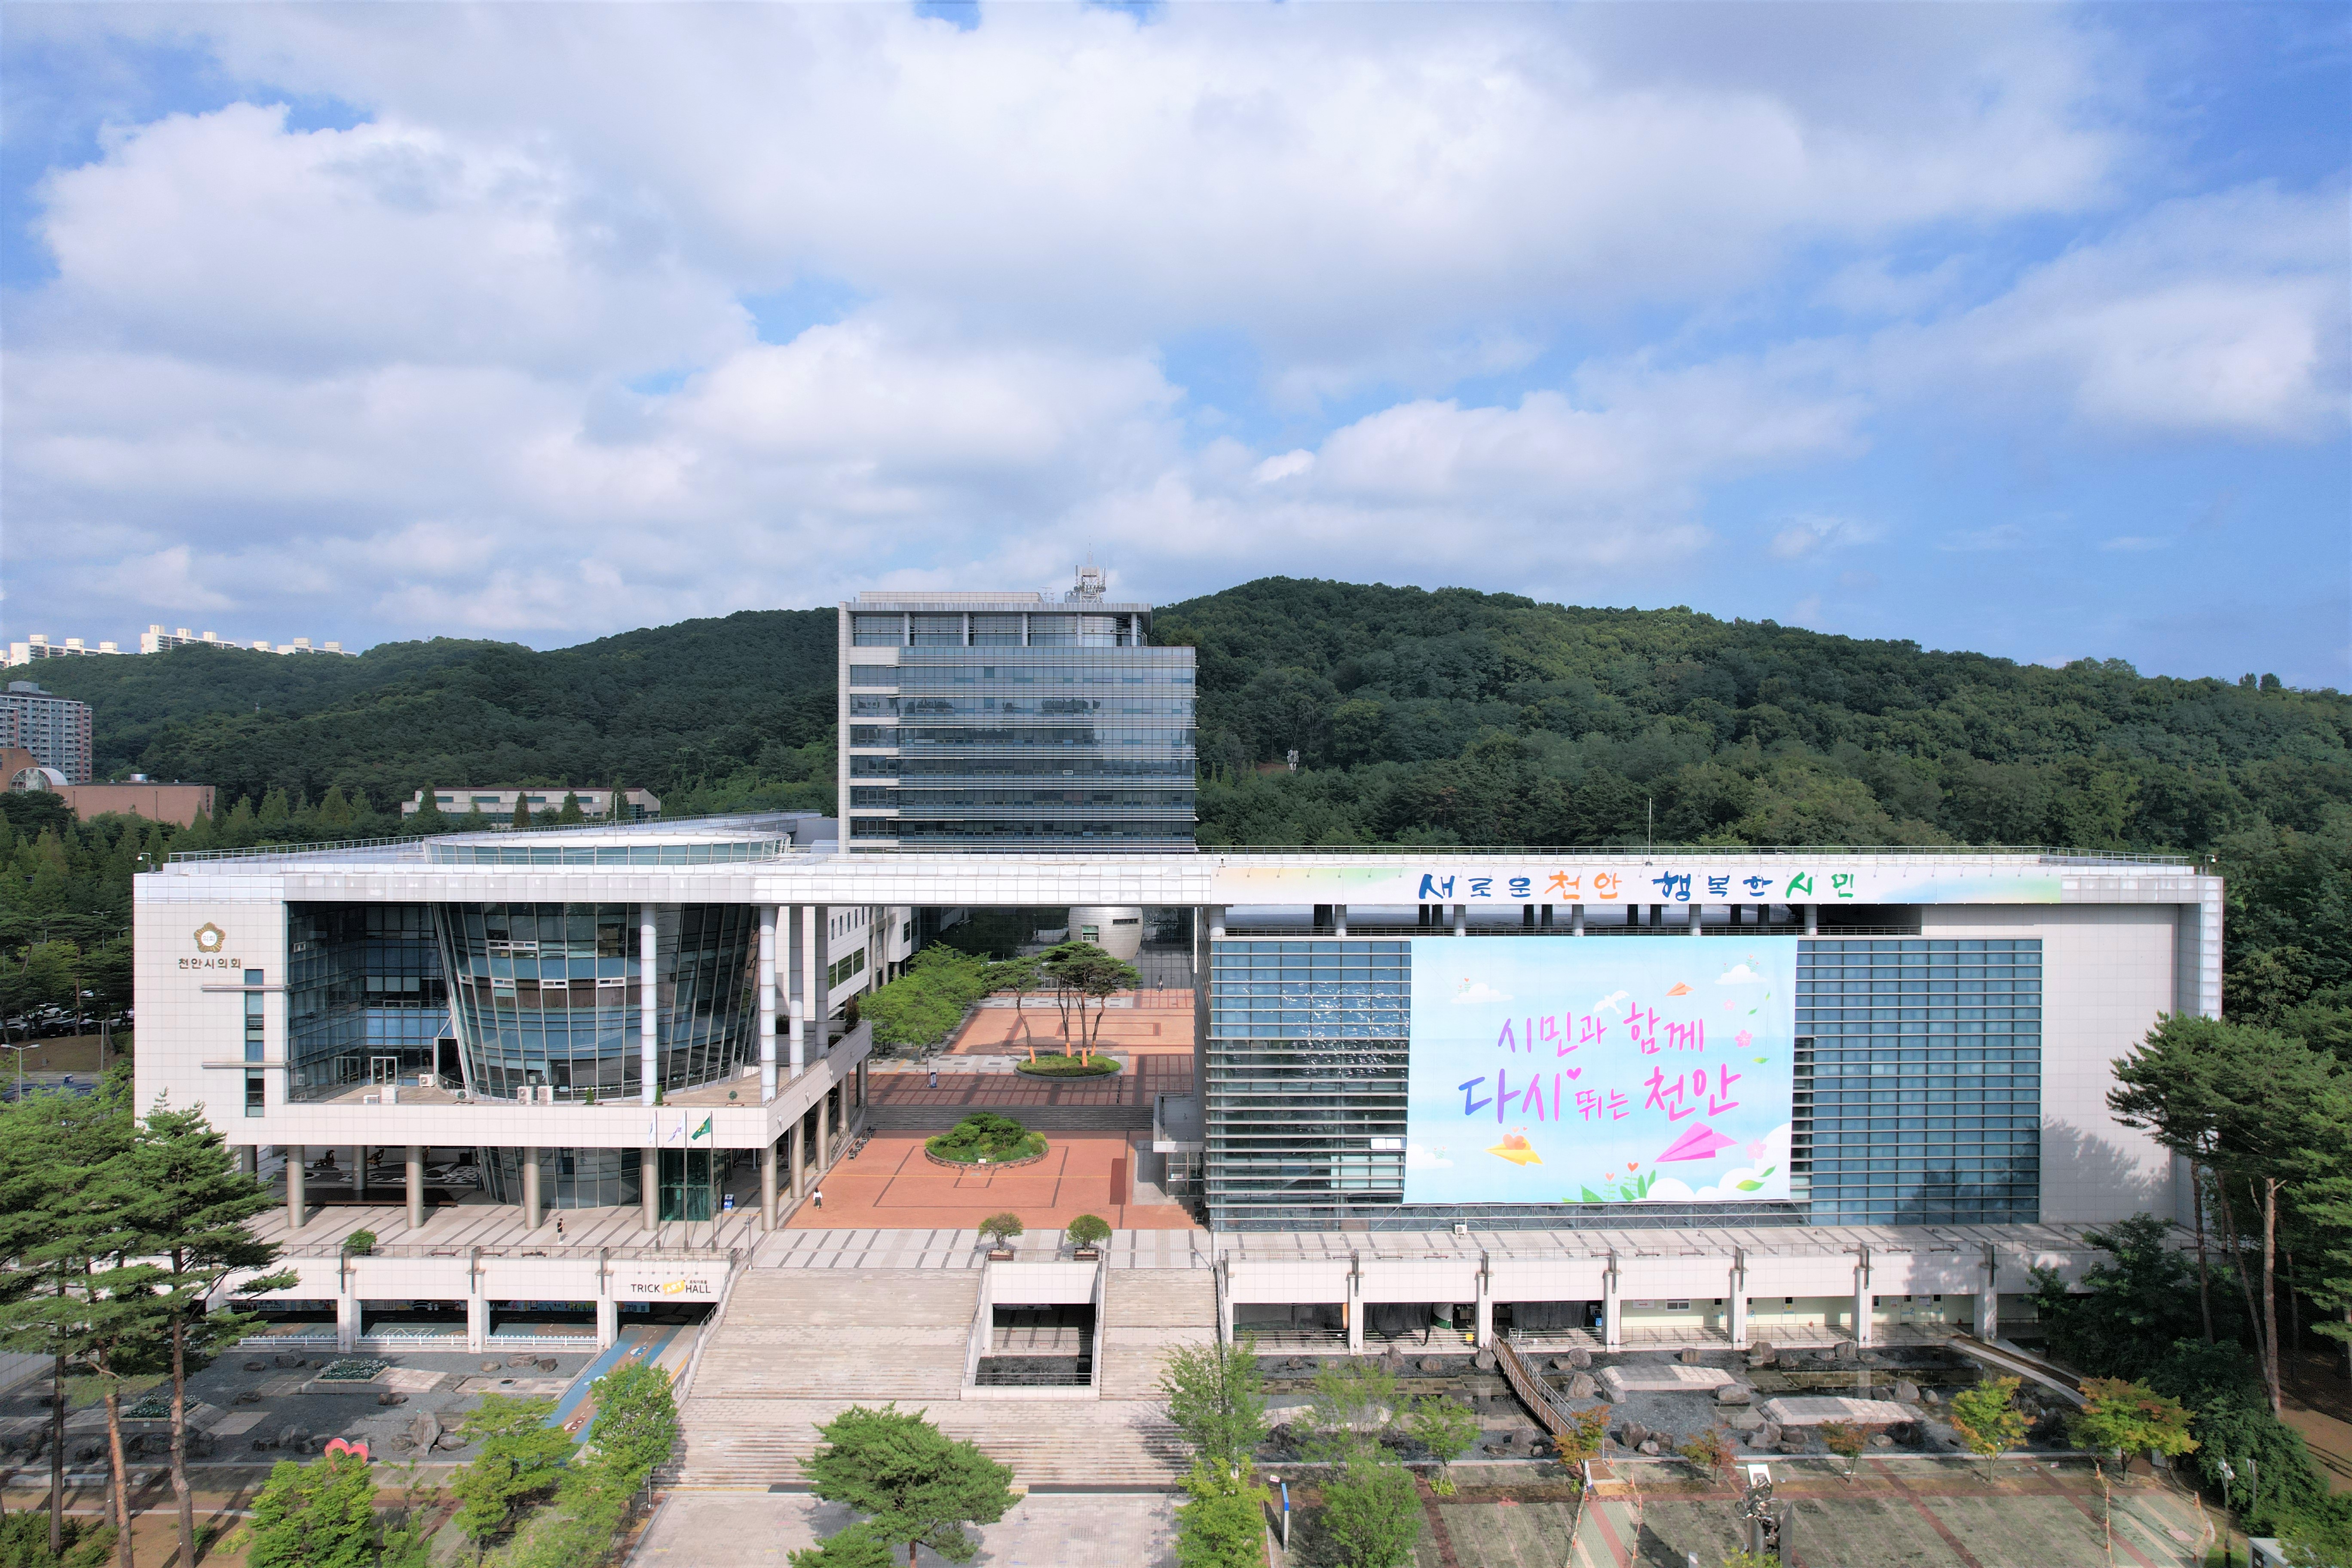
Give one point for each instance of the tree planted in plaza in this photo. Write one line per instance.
(190, 1209)
(1222, 1523)
(1352, 1403)
(1370, 1514)
(521, 1459)
(1987, 1419)
(914, 1483)
(637, 1417)
(2124, 1417)
(319, 1515)
(1446, 1429)
(1216, 1398)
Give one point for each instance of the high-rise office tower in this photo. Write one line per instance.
(1013, 721)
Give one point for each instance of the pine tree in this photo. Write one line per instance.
(191, 1212)
(276, 809)
(241, 828)
(334, 809)
(571, 813)
(916, 1484)
(521, 810)
(319, 1515)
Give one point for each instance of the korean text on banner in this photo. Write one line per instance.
(1640, 1069)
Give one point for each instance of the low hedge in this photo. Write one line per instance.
(1069, 1067)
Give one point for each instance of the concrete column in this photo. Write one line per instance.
(1339, 920)
(815, 996)
(1987, 1324)
(347, 1317)
(859, 1124)
(1812, 920)
(1576, 920)
(1696, 911)
(608, 1323)
(767, 1002)
(248, 1160)
(1485, 1310)
(477, 1319)
(414, 1162)
(530, 1194)
(768, 1215)
(1862, 1307)
(1738, 1303)
(1460, 919)
(795, 1158)
(649, 1185)
(1216, 921)
(1611, 1309)
(824, 1133)
(795, 990)
(648, 1014)
(359, 1172)
(1355, 1312)
(1226, 1316)
(295, 1154)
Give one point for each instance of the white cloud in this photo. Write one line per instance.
(1810, 534)
(1477, 994)
(1740, 974)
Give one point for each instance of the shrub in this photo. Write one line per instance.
(359, 1243)
(986, 1135)
(1708, 1451)
(1088, 1230)
(1097, 1066)
(1369, 1512)
(1001, 1228)
(1223, 1524)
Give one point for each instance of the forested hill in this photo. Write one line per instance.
(1490, 719)
(695, 706)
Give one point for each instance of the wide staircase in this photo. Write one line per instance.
(1147, 1312)
(795, 1347)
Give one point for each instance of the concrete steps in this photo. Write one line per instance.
(867, 1335)
(759, 1443)
(1147, 1312)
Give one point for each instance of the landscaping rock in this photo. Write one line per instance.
(1579, 1359)
(492, 1366)
(1768, 1436)
(1733, 1394)
(1760, 1347)
(1847, 1350)
(256, 1366)
(249, 1397)
(1633, 1434)
(1792, 1444)
(522, 1358)
(1745, 1420)
(1581, 1386)
(1882, 1441)
(1430, 1363)
(292, 1436)
(546, 1363)
(1484, 1360)
(1906, 1391)
(449, 1440)
(389, 1397)
(285, 1360)
(1649, 1445)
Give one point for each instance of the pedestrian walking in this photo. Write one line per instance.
(820, 1197)
(559, 1227)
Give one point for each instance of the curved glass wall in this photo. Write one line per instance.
(548, 994)
(364, 1002)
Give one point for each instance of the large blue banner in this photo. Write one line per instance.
(1605, 1070)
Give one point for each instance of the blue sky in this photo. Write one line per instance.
(2020, 329)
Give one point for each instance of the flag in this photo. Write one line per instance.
(703, 1131)
(679, 1131)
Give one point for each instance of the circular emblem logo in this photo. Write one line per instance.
(210, 938)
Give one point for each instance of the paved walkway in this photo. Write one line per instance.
(741, 1529)
(891, 1184)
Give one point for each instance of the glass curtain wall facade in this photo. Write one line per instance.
(547, 993)
(364, 997)
(1017, 728)
(568, 1178)
(1918, 1092)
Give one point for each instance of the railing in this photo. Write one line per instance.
(1536, 1395)
(2042, 854)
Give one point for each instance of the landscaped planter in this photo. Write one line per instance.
(1102, 1067)
(988, 1164)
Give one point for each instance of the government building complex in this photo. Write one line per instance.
(1619, 1093)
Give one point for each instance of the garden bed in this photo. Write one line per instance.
(1069, 1067)
(999, 1141)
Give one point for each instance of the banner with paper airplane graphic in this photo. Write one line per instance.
(1605, 1070)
